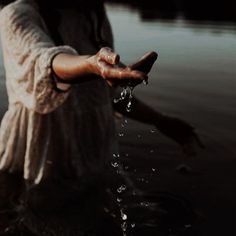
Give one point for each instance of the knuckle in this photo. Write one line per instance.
(105, 50)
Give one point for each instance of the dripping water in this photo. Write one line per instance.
(126, 93)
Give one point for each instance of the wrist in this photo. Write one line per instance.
(92, 67)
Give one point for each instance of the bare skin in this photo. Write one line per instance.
(106, 65)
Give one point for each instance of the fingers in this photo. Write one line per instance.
(117, 73)
(145, 63)
(149, 56)
(109, 56)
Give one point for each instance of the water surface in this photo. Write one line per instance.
(194, 79)
(195, 75)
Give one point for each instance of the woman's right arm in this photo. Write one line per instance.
(105, 64)
(31, 60)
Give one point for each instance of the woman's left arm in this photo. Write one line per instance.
(172, 127)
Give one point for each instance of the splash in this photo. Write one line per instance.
(126, 93)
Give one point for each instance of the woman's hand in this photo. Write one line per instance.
(106, 64)
(145, 63)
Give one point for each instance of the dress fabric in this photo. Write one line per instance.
(47, 132)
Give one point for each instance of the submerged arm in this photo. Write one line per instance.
(174, 128)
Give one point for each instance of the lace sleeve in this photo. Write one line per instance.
(28, 54)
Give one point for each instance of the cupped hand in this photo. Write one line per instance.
(145, 63)
(107, 65)
(182, 133)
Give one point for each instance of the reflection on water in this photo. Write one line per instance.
(201, 10)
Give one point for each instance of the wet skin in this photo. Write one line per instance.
(105, 64)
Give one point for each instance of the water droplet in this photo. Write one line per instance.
(126, 121)
(123, 94)
(106, 210)
(128, 107)
(152, 131)
(145, 82)
(123, 215)
(126, 92)
(116, 100)
(130, 92)
(115, 164)
(119, 200)
(116, 155)
(121, 189)
(124, 226)
(153, 170)
(121, 134)
(133, 225)
(141, 179)
(144, 204)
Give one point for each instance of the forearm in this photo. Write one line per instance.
(69, 68)
(104, 64)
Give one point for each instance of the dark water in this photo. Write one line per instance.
(194, 76)
(194, 79)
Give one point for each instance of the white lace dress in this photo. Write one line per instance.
(47, 133)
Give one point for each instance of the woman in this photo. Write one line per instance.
(59, 127)
(54, 129)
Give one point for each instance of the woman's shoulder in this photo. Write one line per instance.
(19, 8)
